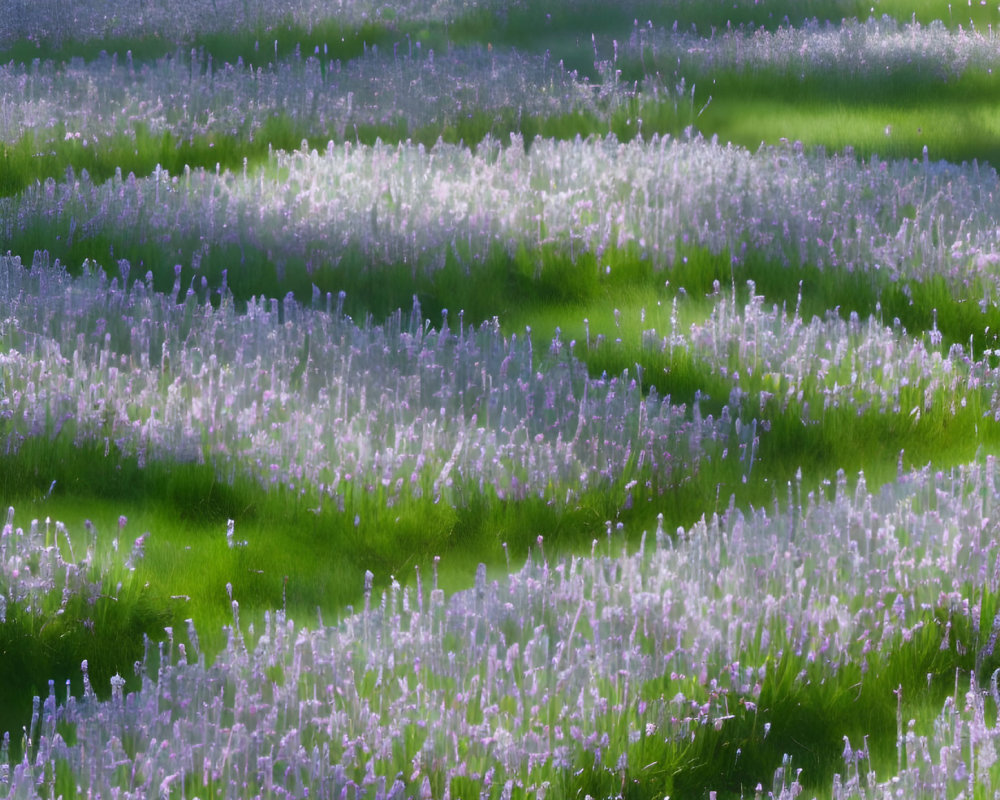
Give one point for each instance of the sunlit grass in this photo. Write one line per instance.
(290, 551)
(971, 13)
(956, 134)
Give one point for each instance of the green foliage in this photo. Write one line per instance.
(32, 158)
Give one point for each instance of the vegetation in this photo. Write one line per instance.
(328, 318)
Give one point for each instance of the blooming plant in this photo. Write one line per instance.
(185, 95)
(323, 214)
(306, 397)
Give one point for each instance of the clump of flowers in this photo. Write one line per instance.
(300, 396)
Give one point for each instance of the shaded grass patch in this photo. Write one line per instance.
(805, 709)
(43, 646)
(260, 43)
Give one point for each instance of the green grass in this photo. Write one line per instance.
(48, 642)
(634, 288)
(301, 552)
(34, 158)
(893, 115)
(960, 133)
(970, 13)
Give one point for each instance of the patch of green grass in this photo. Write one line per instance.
(482, 284)
(909, 86)
(296, 550)
(547, 26)
(49, 642)
(892, 114)
(34, 159)
(960, 133)
(646, 300)
(975, 14)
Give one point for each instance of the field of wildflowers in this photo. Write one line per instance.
(499, 399)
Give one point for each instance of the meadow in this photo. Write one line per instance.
(499, 399)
